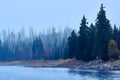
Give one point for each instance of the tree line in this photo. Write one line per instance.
(97, 41)
(50, 44)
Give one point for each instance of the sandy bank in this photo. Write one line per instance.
(69, 63)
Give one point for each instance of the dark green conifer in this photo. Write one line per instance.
(72, 41)
(103, 34)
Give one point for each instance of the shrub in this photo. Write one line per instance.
(112, 49)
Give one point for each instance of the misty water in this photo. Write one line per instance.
(27, 73)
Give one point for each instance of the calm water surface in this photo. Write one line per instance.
(25, 73)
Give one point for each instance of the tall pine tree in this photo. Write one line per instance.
(83, 39)
(91, 37)
(37, 49)
(72, 41)
(103, 34)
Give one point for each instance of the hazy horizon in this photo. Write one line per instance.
(43, 14)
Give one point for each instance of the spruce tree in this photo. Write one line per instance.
(103, 34)
(83, 39)
(72, 45)
(37, 49)
(91, 40)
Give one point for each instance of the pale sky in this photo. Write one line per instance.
(42, 14)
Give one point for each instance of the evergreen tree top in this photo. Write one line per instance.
(84, 29)
(102, 7)
(84, 21)
(101, 16)
(114, 26)
(73, 33)
(91, 25)
(115, 29)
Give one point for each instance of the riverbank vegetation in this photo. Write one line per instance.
(99, 41)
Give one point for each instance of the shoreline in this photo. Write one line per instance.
(68, 63)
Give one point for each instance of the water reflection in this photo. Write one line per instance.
(97, 74)
(27, 73)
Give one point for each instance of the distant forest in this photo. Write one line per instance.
(97, 41)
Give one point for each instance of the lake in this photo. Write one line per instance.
(27, 73)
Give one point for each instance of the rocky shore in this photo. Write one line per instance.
(69, 63)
